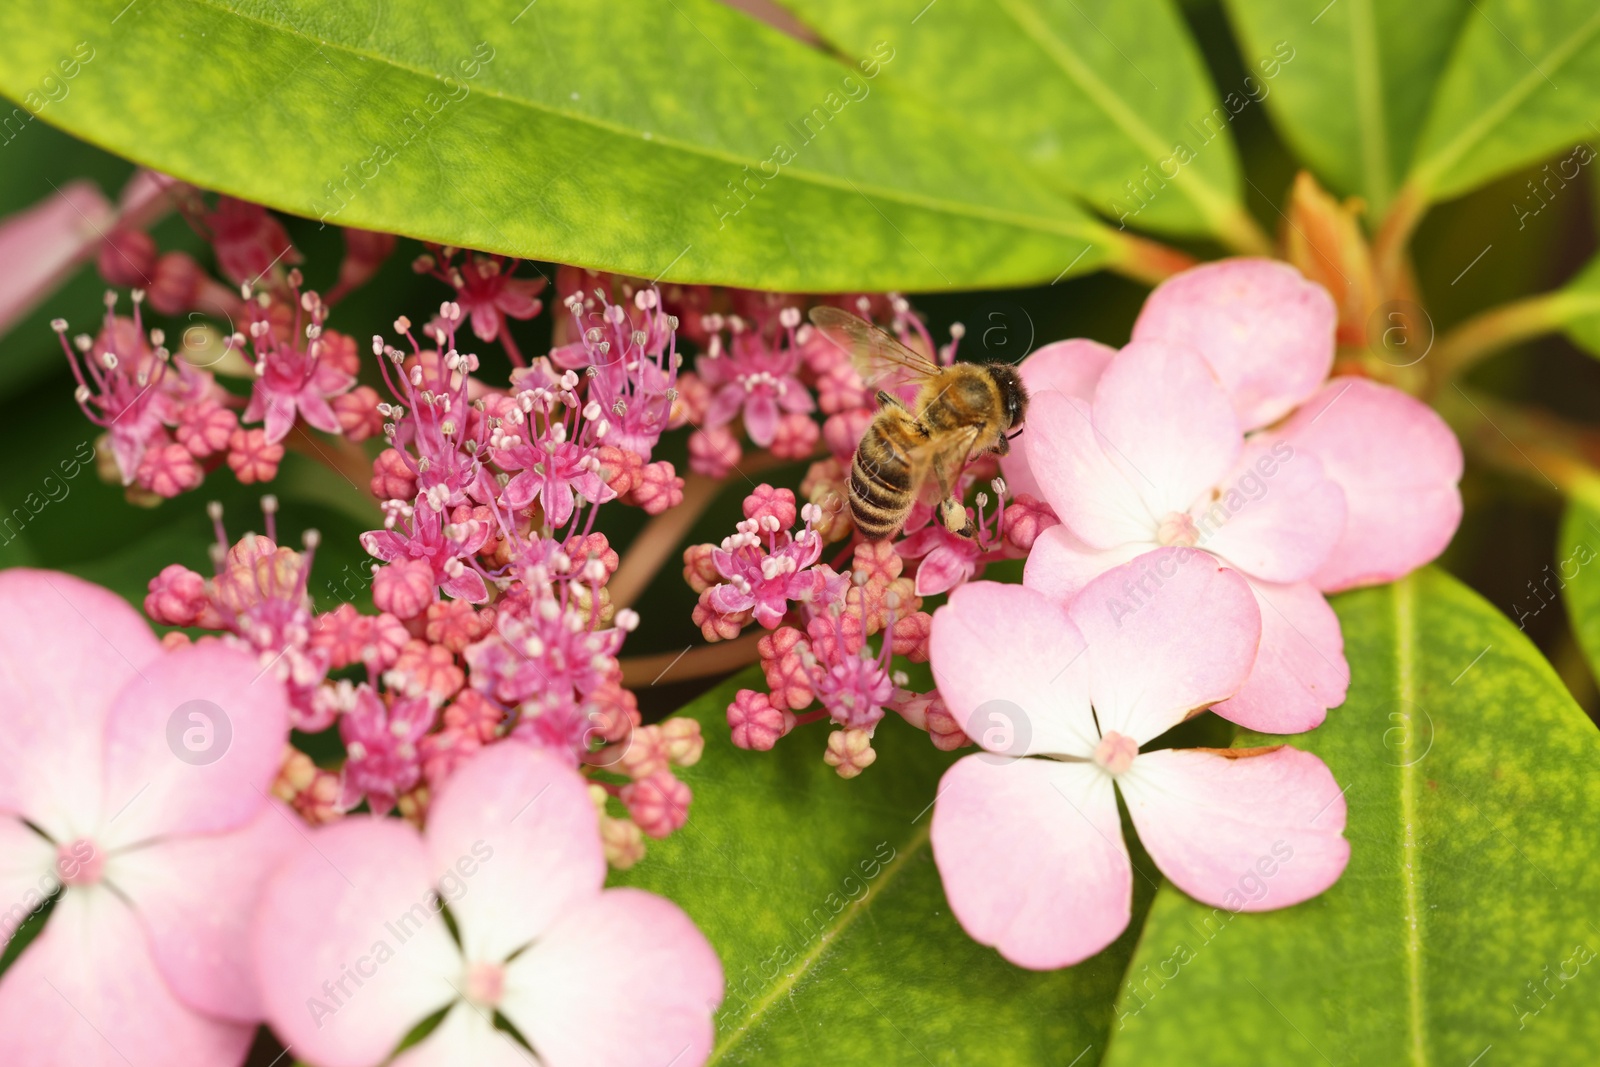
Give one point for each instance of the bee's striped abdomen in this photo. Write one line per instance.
(880, 489)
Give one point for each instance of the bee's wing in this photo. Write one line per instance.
(876, 354)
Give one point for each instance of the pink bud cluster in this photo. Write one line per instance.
(818, 656)
(165, 420)
(168, 421)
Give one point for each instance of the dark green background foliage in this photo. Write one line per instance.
(957, 147)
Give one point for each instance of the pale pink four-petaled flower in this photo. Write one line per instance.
(1065, 698)
(1215, 428)
(513, 848)
(138, 778)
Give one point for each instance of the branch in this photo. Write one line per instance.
(720, 658)
(1146, 261)
(1389, 259)
(1534, 445)
(1499, 328)
(663, 535)
(660, 538)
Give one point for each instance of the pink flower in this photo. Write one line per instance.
(764, 580)
(588, 975)
(948, 560)
(1030, 849)
(137, 779)
(714, 452)
(167, 470)
(553, 468)
(383, 743)
(1147, 447)
(658, 488)
(632, 366)
(446, 547)
(755, 723)
(121, 384)
(756, 379)
(291, 379)
(487, 292)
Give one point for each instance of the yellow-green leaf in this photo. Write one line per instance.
(1465, 929)
(674, 139)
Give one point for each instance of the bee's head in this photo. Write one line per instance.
(1013, 394)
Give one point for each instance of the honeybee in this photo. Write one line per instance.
(960, 410)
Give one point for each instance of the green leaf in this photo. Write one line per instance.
(1473, 785)
(1096, 94)
(823, 901)
(1352, 81)
(1523, 82)
(626, 136)
(1574, 576)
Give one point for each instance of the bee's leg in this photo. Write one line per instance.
(952, 512)
(887, 399)
(953, 517)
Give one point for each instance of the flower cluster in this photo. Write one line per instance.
(494, 620)
(820, 617)
(168, 422)
(1211, 486)
(1217, 429)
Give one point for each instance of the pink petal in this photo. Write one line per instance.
(1072, 367)
(468, 586)
(1398, 464)
(66, 648)
(1277, 516)
(1068, 367)
(164, 775)
(943, 570)
(1300, 671)
(623, 947)
(350, 952)
(556, 498)
(761, 418)
(196, 897)
(42, 245)
(486, 320)
(315, 410)
(27, 874)
(1032, 858)
(466, 1037)
(1000, 656)
(280, 415)
(87, 994)
(1265, 330)
(1089, 489)
(796, 398)
(1170, 633)
(518, 841)
(1246, 832)
(726, 403)
(1060, 565)
(518, 299)
(1168, 423)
